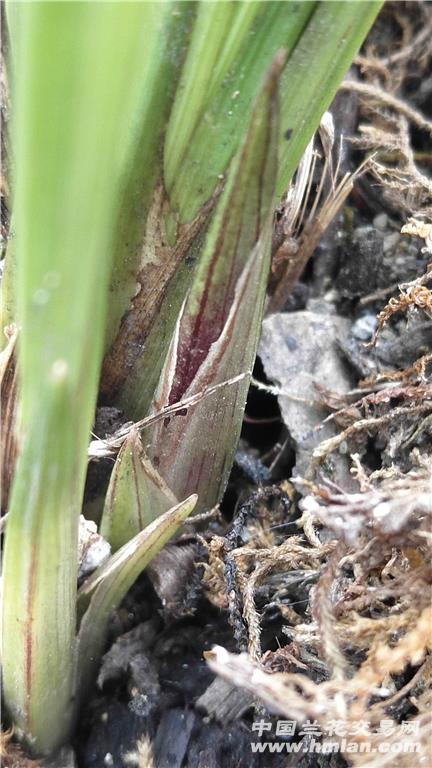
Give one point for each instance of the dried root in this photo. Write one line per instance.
(359, 656)
(305, 216)
(413, 295)
(332, 703)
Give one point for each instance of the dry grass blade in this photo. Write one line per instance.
(99, 449)
(300, 231)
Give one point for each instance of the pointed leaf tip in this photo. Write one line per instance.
(136, 495)
(100, 595)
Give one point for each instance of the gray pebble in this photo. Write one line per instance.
(363, 329)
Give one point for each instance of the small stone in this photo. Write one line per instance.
(93, 549)
(332, 296)
(298, 351)
(391, 241)
(381, 222)
(320, 306)
(364, 328)
(253, 468)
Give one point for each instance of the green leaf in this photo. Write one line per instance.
(313, 73)
(158, 72)
(136, 494)
(134, 361)
(218, 330)
(232, 46)
(101, 594)
(75, 118)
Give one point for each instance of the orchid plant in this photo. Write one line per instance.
(150, 144)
